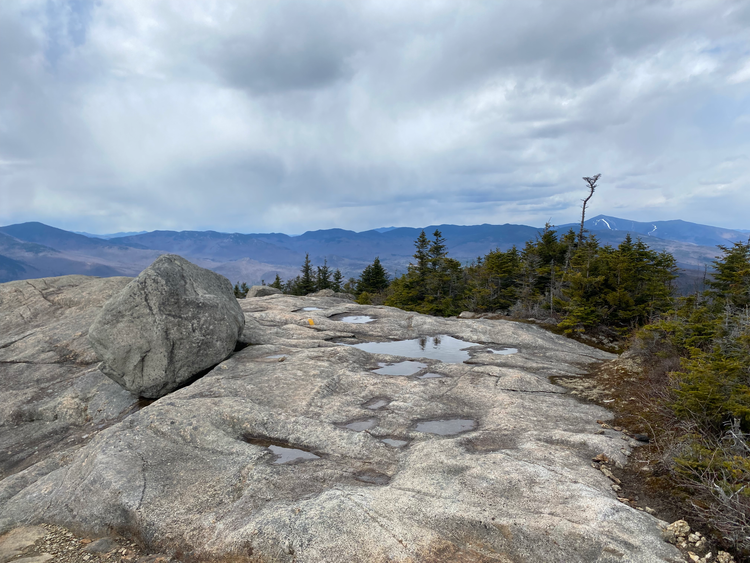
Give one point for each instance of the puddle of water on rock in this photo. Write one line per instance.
(361, 425)
(443, 348)
(284, 453)
(401, 368)
(375, 404)
(447, 427)
(372, 477)
(357, 319)
(430, 375)
(287, 455)
(311, 309)
(394, 443)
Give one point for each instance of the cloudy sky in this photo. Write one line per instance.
(276, 115)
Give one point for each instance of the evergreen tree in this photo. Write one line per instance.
(437, 251)
(373, 279)
(434, 284)
(240, 291)
(277, 283)
(324, 276)
(421, 256)
(306, 280)
(731, 278)
(337, 279)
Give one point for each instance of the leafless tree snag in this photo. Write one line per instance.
(591, 181)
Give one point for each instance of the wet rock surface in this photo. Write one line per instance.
(170, 323)
(194, 473)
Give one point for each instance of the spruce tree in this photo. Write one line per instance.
(422, 255)
(338, 277)
(277, 283)
(306, 280)
(373, 279)
(324, 276)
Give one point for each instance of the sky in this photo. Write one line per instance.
(288, 116)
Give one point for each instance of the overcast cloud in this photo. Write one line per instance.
(288, 116)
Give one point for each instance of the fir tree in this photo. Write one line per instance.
(306, 280)
(324, 276)
(338, 278)
(373, 279)
(277, 283)
(240, 291)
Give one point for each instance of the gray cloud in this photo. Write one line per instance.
(289, 115)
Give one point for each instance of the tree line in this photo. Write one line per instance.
(574, 279)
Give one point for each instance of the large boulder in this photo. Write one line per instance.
(262, 291)
(170, 323)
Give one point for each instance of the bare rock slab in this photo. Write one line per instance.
(53, 397)
(170, 323)
(270, 460)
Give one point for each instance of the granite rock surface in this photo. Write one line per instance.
(170, 323)
(53, 397)
(210, 471)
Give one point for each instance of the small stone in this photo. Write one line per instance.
(724, 557)
(602, 457)
(651, 511)
(616, 488)
(693, 556)
(103, 545)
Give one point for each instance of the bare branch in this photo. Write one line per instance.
(591, 181)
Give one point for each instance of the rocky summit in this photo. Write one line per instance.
(339, 433)
(170, 323)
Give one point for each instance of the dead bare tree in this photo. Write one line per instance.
(591, 181)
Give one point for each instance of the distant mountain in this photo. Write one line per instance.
(24, 260)
(30, 250)
(53, 237)
(677, 230)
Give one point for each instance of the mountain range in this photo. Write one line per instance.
(33, 250)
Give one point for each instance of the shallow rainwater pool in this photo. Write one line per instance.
(443, 348)
(287, 455)
(284, 453)
(375, 404)
(407, 367)
(311, 309)
(357, 319)
(446, 427)
(361, 425)
(394, 443)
